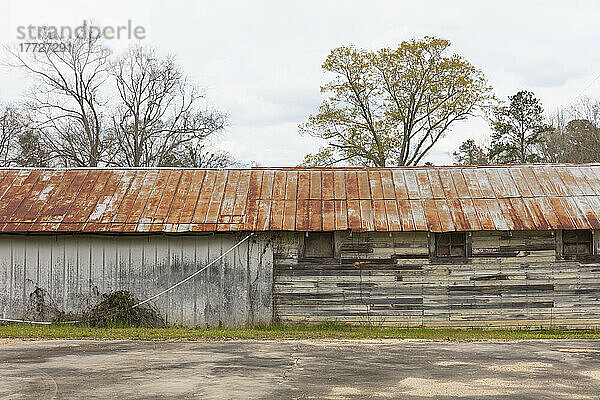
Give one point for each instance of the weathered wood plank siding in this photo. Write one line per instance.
(511, 280)
(74, 270)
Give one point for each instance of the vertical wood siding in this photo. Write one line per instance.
(74, 269)
(512, 280)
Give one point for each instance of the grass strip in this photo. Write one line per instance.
(318, 331)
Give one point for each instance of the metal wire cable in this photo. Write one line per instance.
(195, 273)
(152, 297)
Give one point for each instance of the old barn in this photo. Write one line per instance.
(423, 246)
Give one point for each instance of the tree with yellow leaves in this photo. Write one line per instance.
(391, 106)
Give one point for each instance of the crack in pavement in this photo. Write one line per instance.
(293, 367)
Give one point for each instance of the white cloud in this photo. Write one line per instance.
(261, 60)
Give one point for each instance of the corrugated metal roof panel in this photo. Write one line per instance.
(511, 197)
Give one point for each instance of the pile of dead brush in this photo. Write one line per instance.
(117, 309)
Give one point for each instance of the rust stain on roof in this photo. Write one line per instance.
(439, 199)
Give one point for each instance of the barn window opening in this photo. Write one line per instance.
(318, 245)
(451, 244)
(577, 243)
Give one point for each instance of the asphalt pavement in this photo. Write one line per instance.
(305, 369)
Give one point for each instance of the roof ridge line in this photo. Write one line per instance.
(284, 168)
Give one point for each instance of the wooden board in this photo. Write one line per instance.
(512, 280)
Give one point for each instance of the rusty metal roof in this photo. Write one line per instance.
(437, 199)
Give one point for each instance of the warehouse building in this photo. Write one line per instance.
(509, 246)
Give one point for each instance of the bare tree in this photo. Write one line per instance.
(201, 156)
(155, 116)
(158, 120)
(586, 108)
(575, 133)
(66, 104)
(20, 143)
(30, 150)
(11, 127)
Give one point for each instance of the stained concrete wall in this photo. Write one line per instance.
(73, 270)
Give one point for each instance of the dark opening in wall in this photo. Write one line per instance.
(577, 243)
(318, 245)
(451, 244)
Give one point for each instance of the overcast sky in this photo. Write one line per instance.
(260, 60)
